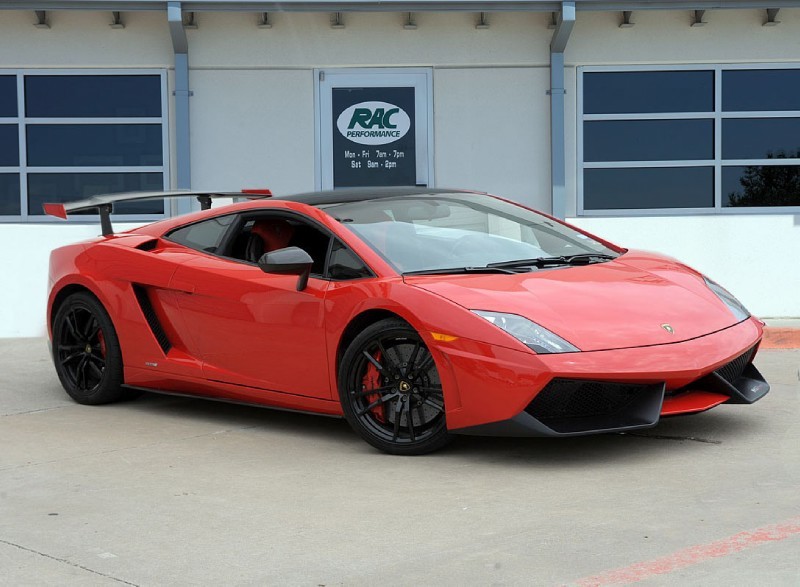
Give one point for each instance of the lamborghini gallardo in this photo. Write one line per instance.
(416, 314)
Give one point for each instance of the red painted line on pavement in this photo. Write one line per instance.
(694, 555)
(781, 338)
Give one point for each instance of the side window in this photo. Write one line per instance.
(344, 264)
(204, 236)
(263, 233)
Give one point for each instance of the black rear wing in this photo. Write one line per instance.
(104, 203)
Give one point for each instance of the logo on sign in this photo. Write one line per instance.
(373, 123)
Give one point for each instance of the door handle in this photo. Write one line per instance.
(182, 286)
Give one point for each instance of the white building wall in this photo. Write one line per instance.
(665, 36)
(492, 131)
(78, 38)
(753, 256)
(24, 262)
(230, 39)
(252, 117)
(253, 129)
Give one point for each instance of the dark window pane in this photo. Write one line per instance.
(203, 236)
(648, 140)
(648, 187)
(648, 91)
(761, 185)
(760, 138)
(9, 194)
(760, 89)
(92, 96)
(94, 144)
(8, 95)
(344, 264)
(9, 145)
(65, 187)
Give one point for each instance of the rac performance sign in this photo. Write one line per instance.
(373, 123)
(374, 140)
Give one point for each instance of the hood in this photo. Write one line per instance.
(618, 304)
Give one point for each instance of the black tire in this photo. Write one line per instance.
(390, 390)
(86, 351)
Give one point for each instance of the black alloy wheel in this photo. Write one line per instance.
(390, 390)
(86, 351)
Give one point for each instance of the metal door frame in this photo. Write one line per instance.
(420, 78)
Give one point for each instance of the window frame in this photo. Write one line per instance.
(243, 216)
(329, 255)
(23, 170)
(223, 241)
(717, 163)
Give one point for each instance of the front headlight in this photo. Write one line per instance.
(735, 306)
(535, 337)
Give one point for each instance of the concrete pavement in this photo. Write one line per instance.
(168, 491)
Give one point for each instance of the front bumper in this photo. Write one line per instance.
(512, 393)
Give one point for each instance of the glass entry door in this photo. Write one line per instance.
(373, 128)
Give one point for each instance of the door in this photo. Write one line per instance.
(254, 328)
(374, 128)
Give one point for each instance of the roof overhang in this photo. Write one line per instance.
(391, 5)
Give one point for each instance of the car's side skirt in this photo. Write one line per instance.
(152, 380)
(232, 401)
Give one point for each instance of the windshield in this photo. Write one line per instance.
(448, 231)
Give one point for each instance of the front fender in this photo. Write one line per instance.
(427, 313)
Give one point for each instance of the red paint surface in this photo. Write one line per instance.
(691, 402)
(695, 555)
(56, 210)
(614, 305)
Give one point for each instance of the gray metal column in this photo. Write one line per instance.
(564, 24)
(180, 47)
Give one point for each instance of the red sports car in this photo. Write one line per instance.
(416, 314)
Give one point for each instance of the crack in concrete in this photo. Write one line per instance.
(665, 437)
(31, 411)
(66, 562)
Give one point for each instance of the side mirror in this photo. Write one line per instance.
(289, 261)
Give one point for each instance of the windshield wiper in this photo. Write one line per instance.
(453, 270)
(587, 258)
(536, 262)
(581, 259)
(509, 266)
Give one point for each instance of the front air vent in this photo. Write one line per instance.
(575, 406)
(566, 398)
(152, 319)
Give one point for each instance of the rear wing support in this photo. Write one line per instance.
(105, 218)
(104, 203)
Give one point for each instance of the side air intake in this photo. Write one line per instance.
(152, 319)
(148, 245)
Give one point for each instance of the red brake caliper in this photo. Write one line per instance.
(372, 380)
(102, 340)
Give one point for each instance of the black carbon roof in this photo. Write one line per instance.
(342, 196)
